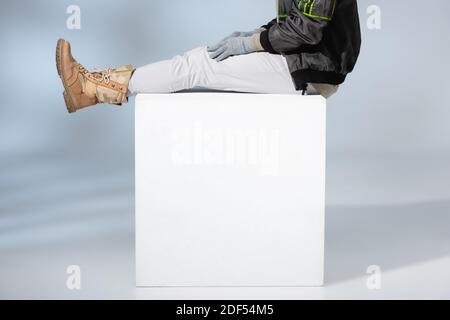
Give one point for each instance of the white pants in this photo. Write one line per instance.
(259, 72)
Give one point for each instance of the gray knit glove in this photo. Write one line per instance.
(238, 34)
(235, 46)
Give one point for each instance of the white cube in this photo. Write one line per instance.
(230, 189)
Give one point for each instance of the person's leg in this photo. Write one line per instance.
(257, 72)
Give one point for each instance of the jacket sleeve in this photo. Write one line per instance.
(304, 25)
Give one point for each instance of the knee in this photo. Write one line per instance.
(193, 64)
(191, 60)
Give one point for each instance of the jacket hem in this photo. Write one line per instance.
(302, 77)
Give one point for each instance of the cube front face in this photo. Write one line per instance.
(230, 190)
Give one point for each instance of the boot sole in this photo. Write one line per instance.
(71, 107)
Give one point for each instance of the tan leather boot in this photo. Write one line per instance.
(84, 88)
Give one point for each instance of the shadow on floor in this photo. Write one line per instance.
(387, 236)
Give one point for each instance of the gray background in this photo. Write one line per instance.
(67, 185)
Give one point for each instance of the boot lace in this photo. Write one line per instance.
(102, 75)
